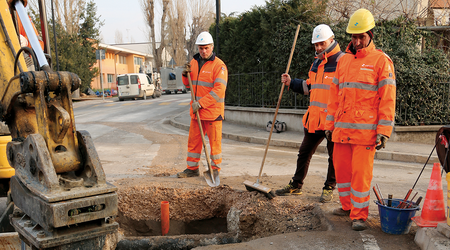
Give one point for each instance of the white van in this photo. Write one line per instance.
(135, 85)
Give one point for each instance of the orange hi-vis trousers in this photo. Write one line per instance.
(214, 131)
(354, 170)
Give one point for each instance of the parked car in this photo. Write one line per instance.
(135, 85)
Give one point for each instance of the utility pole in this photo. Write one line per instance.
(217, 25)
(115, 71)
(101, 76)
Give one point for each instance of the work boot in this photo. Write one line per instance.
(341, 212)
(188, 173)
(289, 189)
(327, 194)
(358, 225)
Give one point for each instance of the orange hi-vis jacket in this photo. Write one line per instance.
(362, 98)
(208, 84)
(22, 32)
(317, 86)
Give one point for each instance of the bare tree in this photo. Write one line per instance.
(118, 38)
(148, 6)
(202, 16)
(384, 10)
(67, 12)
(177, 31)
(71, 14)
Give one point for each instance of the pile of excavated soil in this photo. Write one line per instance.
(191, 199)
(260, 217)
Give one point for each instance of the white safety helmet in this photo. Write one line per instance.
(321, 33)
(204, 39)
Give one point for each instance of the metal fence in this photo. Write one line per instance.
(431, 106)
(262, 89)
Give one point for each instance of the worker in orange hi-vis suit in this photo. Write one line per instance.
(23, 36)
(209, 81)
(317, 86)
(360, 116)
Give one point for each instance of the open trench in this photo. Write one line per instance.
(206, 216)
(200, 215)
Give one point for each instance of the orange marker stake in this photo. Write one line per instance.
(165, 221)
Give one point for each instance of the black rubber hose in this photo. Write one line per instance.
(33, 55)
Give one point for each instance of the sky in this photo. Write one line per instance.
(128, 18)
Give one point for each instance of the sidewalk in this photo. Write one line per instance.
(394, 151)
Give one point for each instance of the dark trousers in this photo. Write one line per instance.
(309, 145)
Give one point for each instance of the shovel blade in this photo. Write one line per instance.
(212, 179)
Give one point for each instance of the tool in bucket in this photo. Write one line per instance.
(256, 186)
(395, 220)
(211, 179)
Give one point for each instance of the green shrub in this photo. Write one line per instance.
(260, 41)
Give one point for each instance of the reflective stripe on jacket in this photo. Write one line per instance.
(362, 98)
(209, 84)
(317, 86)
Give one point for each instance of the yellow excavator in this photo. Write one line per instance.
(59, 188)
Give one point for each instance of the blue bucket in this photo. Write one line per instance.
(396, 220)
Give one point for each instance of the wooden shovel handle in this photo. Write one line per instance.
(201, 131)
(278, 103)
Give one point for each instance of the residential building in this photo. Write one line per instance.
(117, 61)
(146, 47)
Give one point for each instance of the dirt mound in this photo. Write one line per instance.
(259, 216)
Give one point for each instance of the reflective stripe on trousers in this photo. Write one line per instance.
(213, 129)
(354, 170)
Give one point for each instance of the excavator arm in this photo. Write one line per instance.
(59, 183)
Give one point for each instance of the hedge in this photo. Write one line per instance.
(261, 40)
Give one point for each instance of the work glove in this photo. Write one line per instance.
(381, 141)
(195, 106)
(186, 70)
(328, 134)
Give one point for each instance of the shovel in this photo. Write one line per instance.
(213, 181)
(252, 186)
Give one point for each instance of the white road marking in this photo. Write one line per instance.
(369, 242)
(169, 100)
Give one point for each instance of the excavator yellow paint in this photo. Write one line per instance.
(6, 56)
(7, 72)
(6, 171)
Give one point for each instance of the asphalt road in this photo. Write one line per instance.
(100, 119)
(124, 154)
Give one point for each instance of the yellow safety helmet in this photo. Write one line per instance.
(360, 22)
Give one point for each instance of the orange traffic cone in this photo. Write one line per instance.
(433, 211)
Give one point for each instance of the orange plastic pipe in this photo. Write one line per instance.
(165, 222)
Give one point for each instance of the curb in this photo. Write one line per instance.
(176, 242)
(433, 238)
(379, 155)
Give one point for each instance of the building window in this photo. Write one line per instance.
(110, 77)
(137, 61)
(122, 60)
